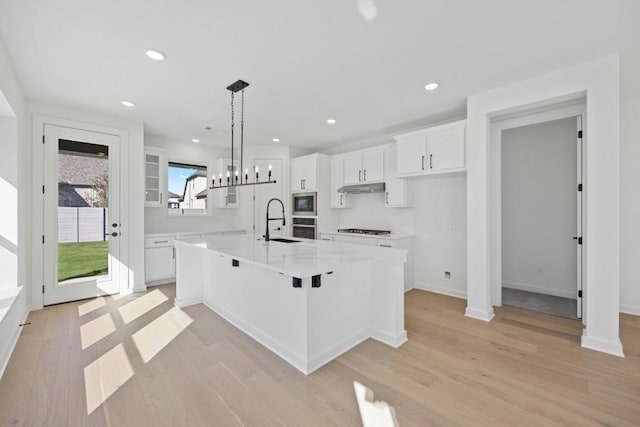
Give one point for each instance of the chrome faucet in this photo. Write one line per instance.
(266, 235)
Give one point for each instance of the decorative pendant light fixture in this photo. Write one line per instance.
(237, 180)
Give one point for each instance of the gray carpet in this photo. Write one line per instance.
(549, 304)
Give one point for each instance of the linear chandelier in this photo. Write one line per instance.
(237, 180)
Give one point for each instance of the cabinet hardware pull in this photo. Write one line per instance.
(430, 161)
(160, 241)
(385, 246)
(422, 162)
(174, 253)
(160, 198)
(341, 200)
(386, 197)
(359, 176)
(365, 175)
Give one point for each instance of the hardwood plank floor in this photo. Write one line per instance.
(105, 362)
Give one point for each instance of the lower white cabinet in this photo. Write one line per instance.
(159, 258)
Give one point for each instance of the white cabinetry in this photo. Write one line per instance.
(338, 200)
(364, 166)
(226, 197)
(434, 150)
(159, 258)
(155, 177)
(304, 173)
(397, 190)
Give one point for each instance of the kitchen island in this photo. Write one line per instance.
(307, 301)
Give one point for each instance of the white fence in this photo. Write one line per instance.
(82, 224)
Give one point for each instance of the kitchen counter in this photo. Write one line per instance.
(392, 236)
(308, 302)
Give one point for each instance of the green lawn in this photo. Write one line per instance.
(83, 259)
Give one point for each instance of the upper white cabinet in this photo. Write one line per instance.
(304, 174)
(226, 197)
(155, 177)
(338, 200)
(397, 192)
(364, 166)
(434, 150)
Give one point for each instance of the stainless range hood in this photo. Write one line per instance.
(362, 188)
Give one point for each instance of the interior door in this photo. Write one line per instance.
(579, 231)
(264, 193)
(81, 214)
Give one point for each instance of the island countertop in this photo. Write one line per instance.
(304, 259)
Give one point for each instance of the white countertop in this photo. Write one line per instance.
(392, 236)
(193, 233)
(305, 259)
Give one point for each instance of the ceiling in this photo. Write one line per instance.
(306, 60)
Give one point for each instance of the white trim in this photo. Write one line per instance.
(440, 290)
(614, 348)
(393, 341)
(630, 309)
(538, 290)
(7, 348)
(485, 316)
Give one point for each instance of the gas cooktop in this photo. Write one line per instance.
(364, 231)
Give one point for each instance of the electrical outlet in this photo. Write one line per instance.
(447, 275)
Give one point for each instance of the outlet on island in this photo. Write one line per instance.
(447, 275)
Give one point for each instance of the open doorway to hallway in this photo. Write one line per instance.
(541, 212)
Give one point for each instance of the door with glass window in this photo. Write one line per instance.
(81, 214)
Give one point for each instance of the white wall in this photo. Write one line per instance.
(600, 81)
(9, 194)
(438, 220)
(629, 184)
(539, 208)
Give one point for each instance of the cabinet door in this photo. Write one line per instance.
(353, 168)
(159, 263)
(395, 188)
(309, 174)
(337, 181)
(296, 175)
(154, 178)
(412, 152)
(373, 166)
(446, 150)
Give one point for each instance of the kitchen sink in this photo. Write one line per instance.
(283, 240)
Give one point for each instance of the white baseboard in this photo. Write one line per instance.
(605, 346)
(539, 290)
(440, 290)
(483, 315)
(630, 309)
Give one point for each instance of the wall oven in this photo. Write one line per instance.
(304, 204)
(304, 227)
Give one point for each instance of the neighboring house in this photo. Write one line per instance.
(77, 177)
(174, 200)
(194, 195)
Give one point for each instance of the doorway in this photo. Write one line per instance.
(540, 217)
(81, 214)
(537, 209)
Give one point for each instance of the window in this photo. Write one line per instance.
(188, 187)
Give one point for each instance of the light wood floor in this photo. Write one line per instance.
(523, 368)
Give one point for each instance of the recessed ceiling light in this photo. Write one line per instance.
(195, 140)
(128, 103)
(156, 55)
(276, 139)
(431, 86)
(331, 121)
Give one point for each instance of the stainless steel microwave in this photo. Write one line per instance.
(304, 204)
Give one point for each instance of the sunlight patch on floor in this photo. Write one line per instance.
(90, 306)
(104, 376)
(151, 339)
(139, 306)
(93, 331)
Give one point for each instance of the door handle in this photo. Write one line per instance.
(422, 162)
(114, 225)
(114, 234)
